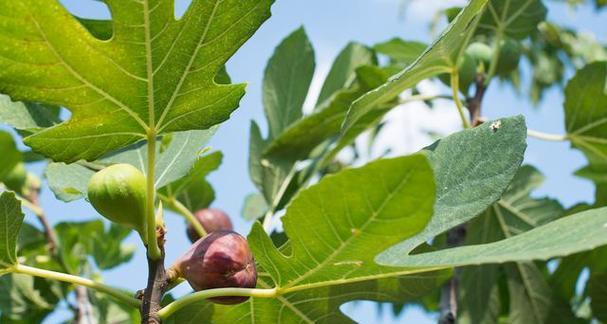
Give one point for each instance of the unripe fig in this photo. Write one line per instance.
(15, 179)
(212, 220)
(118, 193)
(510, 55)
(467, 74)
(219, 260)
(481, 52)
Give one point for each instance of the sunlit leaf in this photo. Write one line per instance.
(154, 75)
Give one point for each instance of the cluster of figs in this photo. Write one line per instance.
(220, 259)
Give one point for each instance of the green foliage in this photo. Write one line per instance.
(597, 290)
(180, 152)
(11, 219)
(286, 82)
(494, 156)
(29, 117)
(11, 156)
(25, 299)
(441, 57)
(387, 230)
(532, 298)
(585, 113)
(112, 87)
(513, 18)
(557, 238)
(193, 191)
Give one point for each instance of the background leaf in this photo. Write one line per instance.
(286, 81)
(343, 70)
(513, 18)
(10, 155)
(586, 114)
(597, 290)
(11, 219)
(555, 239)
(531, 297)
(441, 57)
(29, 117)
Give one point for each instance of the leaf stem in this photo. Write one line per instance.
(456, 99)
(152, 242)
(178, 304)
(267, 220)
(187, 214)
(76, 280)
(495, 56)
(546, 136)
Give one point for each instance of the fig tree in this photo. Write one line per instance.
(219, 260)
(212, 220)
(118, 193)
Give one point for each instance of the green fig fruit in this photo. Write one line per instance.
(480, 52)
(510, 55)
(467, 74)
(15, 179)
(118, 192)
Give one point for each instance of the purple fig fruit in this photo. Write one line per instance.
(212, 220)
(219, 260)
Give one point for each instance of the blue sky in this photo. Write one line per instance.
(330, 24)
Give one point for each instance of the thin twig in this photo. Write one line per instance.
(84, 311)
(474, 103)
(32, 202)
(267, 221)
(456, 99)
(76, 280)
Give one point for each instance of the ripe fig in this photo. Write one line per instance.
(219, 260)
(212, 220)
(118, 193)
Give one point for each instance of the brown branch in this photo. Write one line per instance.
(33, 196)
(84, 310)
(448, 303)
(156, 286)
(457, 235)
(475, 103)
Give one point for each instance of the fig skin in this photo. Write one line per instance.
(212, 220)
(118, 192)
(221, 259)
